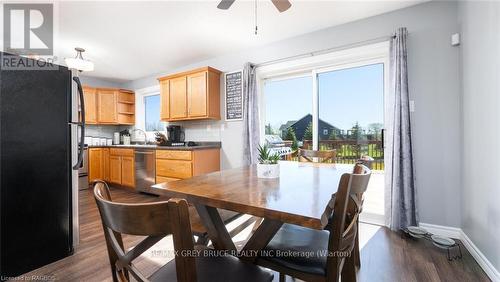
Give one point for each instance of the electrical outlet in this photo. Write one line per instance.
(412, 106)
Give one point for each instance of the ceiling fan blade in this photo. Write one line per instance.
(225, 4)
(282, 5)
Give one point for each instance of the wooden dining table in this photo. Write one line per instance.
(299, 196)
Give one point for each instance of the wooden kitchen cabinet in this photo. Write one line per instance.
(190, 95)
(128, 171)
(115, 169)
(197, 94)
(95, 164)
(105, 164)
(178, 101)
(109, 106)
(99, 166)
(165, 100)
(122, 167)
(173, 165)
(90, 99)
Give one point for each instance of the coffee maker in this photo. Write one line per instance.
(175, 134)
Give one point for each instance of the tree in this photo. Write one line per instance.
(308, 134)
(269, 129)
(290, 135)
(374, 129)
(356, 132)
(333, 135)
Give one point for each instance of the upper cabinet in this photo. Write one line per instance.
(106, 106)
(90, 99)
(190, 95)
(109, 106)
(178, 102)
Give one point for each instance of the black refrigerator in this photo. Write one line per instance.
(35, 167)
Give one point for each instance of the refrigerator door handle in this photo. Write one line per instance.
(81, 124)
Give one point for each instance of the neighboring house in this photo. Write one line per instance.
(285, 126)
(325, 129)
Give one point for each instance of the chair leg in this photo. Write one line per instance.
(349, 270)
(357, 254)
(282, 277)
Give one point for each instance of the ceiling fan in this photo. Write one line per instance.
(281, 5)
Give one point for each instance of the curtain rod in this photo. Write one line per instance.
(328, 50)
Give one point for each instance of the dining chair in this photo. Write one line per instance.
(321, 156)
(359, 168)
(157, 220)
(197, 226)
(321, 255)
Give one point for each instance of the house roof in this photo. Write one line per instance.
(287, 124)
(308, 116)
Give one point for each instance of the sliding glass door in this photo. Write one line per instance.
(288, 108)
(339, 108)
(351, 120)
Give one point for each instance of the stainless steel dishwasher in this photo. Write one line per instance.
(145, 169)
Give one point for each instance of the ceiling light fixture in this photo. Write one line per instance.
(78, 62)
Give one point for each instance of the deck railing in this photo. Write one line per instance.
(349, 151)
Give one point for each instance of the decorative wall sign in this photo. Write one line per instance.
(234, 95)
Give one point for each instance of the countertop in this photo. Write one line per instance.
(200, 146)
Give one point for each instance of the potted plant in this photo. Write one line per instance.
(268, 166)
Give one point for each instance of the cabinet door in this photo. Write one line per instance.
(178, 97)
(105, 164)
(197, 94)
(128, 171)
(90, 99)
(95, 164)
(115, 169)
(106, 106)
(165, 100)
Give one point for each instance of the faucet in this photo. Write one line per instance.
(144, 133)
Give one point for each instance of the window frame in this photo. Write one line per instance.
(377, 53)
(140, 106)
(144, 112)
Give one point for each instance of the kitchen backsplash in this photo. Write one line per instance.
(194, 131)
(103, 130)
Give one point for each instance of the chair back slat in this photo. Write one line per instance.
(359, 179)
(148, 219)
(155, 220)
(322, 156)
(346, 209)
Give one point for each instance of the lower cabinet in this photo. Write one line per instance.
(115, 169)
(117, 165)
(121, 167)
(173, 165)
(105, 164)
(128, 171)
(96, 165)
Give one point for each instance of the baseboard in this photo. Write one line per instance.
(485, 264)
(457, 233)
(452, 232)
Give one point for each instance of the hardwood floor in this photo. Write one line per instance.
(385, 256)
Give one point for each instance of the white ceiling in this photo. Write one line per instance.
(130, 40)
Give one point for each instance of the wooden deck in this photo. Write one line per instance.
(385, 255)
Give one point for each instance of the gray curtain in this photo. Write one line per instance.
(401, 209)
(251, 134)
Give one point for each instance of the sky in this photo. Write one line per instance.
(152, 109)
(345, 96)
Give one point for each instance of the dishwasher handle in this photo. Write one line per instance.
(144, 153)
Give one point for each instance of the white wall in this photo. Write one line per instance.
(480, 71)
(434, 85)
